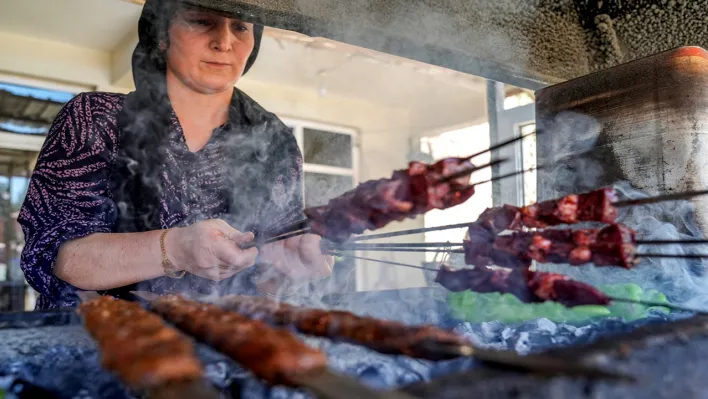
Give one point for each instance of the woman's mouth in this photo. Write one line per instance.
(217, 64)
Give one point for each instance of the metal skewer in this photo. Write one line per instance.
(255, 244)
(432, 245)
(654, 304)
(184, 390)
(412, 250)
(503, 144)
(295, 226)
(660, 198)
(328, 385)
(383, 248)
(668, 242)
(673, 256)
(641, 201)
(381, 261)
(537, 363)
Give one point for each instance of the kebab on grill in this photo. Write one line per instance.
(527, 285)
(407, 194)
(274, 355)
(388, 337)
(613, 245)
(593, 206)
(138, 345)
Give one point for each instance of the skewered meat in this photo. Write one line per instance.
(528, 286)
(613, 245)
(137, 345)
(276, 356)
(593, 206)
(407, 194)
(387, 337)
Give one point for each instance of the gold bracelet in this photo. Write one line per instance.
(254, 278)
(170, 269)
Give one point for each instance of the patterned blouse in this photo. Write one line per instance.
(69, 196)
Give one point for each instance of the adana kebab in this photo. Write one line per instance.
(527, 285)
(406, 194)
(387, 337)
(274, 355)
(138, 345)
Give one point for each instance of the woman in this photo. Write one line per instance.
(156, 190)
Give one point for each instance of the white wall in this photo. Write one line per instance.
(59, 62)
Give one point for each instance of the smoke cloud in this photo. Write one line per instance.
(683, 281)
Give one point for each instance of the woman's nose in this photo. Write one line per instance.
(221, 39)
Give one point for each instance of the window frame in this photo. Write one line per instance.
(299, 125)
(44, 83)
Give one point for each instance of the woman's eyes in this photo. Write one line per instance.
(240, 27)
(200, 22)
(237, 26)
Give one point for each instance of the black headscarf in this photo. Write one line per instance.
(145, 119)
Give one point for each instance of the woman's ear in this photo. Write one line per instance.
(162, 45)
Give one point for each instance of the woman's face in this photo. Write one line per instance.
(208, 51)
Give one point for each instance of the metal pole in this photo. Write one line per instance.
(495, 105)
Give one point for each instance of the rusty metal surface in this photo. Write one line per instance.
(668, 361)
(653, 116)
(526, 43)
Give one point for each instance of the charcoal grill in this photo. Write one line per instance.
(51, 350)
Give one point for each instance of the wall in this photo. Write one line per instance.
(59, 62)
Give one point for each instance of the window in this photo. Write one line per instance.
(459, 143)
(330, 167)
(27, 109)
(330, 157)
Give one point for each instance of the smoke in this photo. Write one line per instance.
(681, 280)
(566, 135)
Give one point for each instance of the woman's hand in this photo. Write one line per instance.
(209, 249)
(295, 261)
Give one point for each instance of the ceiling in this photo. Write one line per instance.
(287, 58)
(336, 68)
(95, 24)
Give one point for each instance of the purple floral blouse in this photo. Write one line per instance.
(69, 196)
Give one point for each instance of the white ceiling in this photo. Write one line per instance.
(341, 69)
(96, 24)
(286, 58)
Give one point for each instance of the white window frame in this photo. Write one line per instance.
(44, 83)
(299, 125)
(28, 142)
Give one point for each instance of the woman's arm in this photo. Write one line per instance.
(104, 261)
(68, 216)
